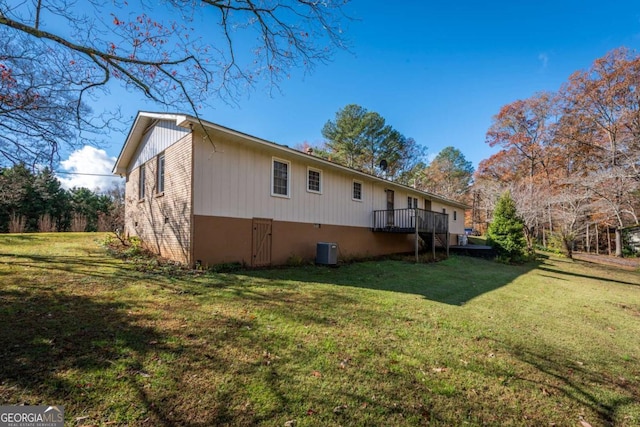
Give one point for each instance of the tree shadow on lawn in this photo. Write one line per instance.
(92, 357)
(48, 336)
(455, 281)
(587, 385)
(99, 266)
(603, 277)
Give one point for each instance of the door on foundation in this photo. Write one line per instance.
(261, 242)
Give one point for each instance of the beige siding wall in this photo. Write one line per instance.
(456, 226)
(232, 179)
(163, 221)
(235, 181)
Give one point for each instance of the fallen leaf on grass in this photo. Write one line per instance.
(439, 369)
(311, 411)
(317, 374)
(339, 409)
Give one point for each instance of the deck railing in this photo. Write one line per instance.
(404, 221)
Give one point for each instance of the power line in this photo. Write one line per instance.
(87, 174)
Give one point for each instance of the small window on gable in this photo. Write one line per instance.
(455, 215)
(357, 190)
(160, 174)
(444, 210)
(280, 178)
(314, 180)
(141, 183)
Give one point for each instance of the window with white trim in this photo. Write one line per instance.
(357, 191)
(314, 180)
(160, 174)
(280, 177)
(412, 202)
(141, 182)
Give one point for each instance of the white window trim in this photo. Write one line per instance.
(309, 168)
(361, 191)
(288, 163)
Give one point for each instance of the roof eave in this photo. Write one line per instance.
(143, 119)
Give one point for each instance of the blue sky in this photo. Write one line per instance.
(436, 71)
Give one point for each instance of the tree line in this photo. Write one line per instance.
(36, 202)
(363, 140)
(571, 158)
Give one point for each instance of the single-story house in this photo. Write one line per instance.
(199, 193)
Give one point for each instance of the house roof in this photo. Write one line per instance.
(144, 120)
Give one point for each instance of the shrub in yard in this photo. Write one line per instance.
(506, 231)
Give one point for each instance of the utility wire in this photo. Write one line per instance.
(88, 174)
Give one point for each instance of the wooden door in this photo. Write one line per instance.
(390, 208)
(261, 244)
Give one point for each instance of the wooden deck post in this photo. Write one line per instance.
(447, 242)
(417, 244)
(433, 236)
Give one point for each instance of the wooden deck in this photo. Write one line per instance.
(407, 220)
(482, 251)
(428, 226)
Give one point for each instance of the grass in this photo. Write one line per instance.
(459, 342)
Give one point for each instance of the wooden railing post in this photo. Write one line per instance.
(415, 217)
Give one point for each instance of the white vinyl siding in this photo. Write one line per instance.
(235, 182)
(280, 177)
(156, 140)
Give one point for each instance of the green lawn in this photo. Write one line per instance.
(459, 342)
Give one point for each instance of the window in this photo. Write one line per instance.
(280, 178)
(455, 215)
(141, 183)
(160, 174)
(444, 211)
(412, 202)
(357, 190)
(314, 180)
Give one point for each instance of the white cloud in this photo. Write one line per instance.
(89, 167)
(544, 59)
